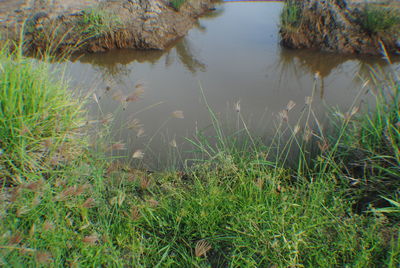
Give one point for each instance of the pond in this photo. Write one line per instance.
(232, 56)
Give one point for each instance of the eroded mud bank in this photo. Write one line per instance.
(342, 26)
(95, 25)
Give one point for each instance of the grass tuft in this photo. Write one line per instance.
(177, 4)
(39, 119)
(378, 19)
(96, 22)
(291, 15)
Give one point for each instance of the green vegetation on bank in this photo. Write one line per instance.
(376, 19)
(241, 206)
(39, 118)
(291, 15)
(97, 22)
(176, 4)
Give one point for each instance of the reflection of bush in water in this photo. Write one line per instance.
(310, 61)
(186, 57)
(115, 63)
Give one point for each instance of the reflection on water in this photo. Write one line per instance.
(295, 64)
(232, 55)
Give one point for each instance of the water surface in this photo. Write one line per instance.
(232, 55)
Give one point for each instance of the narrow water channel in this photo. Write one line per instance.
(232, 55)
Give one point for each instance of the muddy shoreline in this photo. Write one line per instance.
(350, 27)
(96, 25)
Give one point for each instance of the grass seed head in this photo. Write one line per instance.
(135, 213)
(290, 105)
(140, 132)
(89, 203)
(138, 154)
(153, 203)
(178, 114)
(139, 86)
(259, 183)
(296, 129)
(307, 134)
(118, 96)
(117, 147)
(90, 239)
(237, 106)
(15, 239)
(44, 257)
(134, 124)
(284, 116)
(145, 182)
(202, 247)
(32, 230)
(308, 100)
(21, 211)
(173, 143)
(34, 186)
(106, 119)
(134, 96)
(48, 225)
(323, 146)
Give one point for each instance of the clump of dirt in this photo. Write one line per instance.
(337, 25)
(98, 25)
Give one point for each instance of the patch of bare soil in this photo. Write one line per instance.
(333, 25)
(97, 25)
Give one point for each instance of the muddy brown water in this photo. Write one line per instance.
(232, 55)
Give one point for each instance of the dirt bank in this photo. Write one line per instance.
(98, 25)
(342, 26)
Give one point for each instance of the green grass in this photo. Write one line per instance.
(39, 119)
(370, 148)
(242, 204)
(291, 15)
(379, 20)
(177, 4)
(96, 22)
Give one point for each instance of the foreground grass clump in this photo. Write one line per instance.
(39, 119)
(244, 212)
(370, 148)
(236, 212)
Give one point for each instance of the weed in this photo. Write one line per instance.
(176, 4)
(377, 19)
(96, 22)
(291, 15)
(370, 146)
